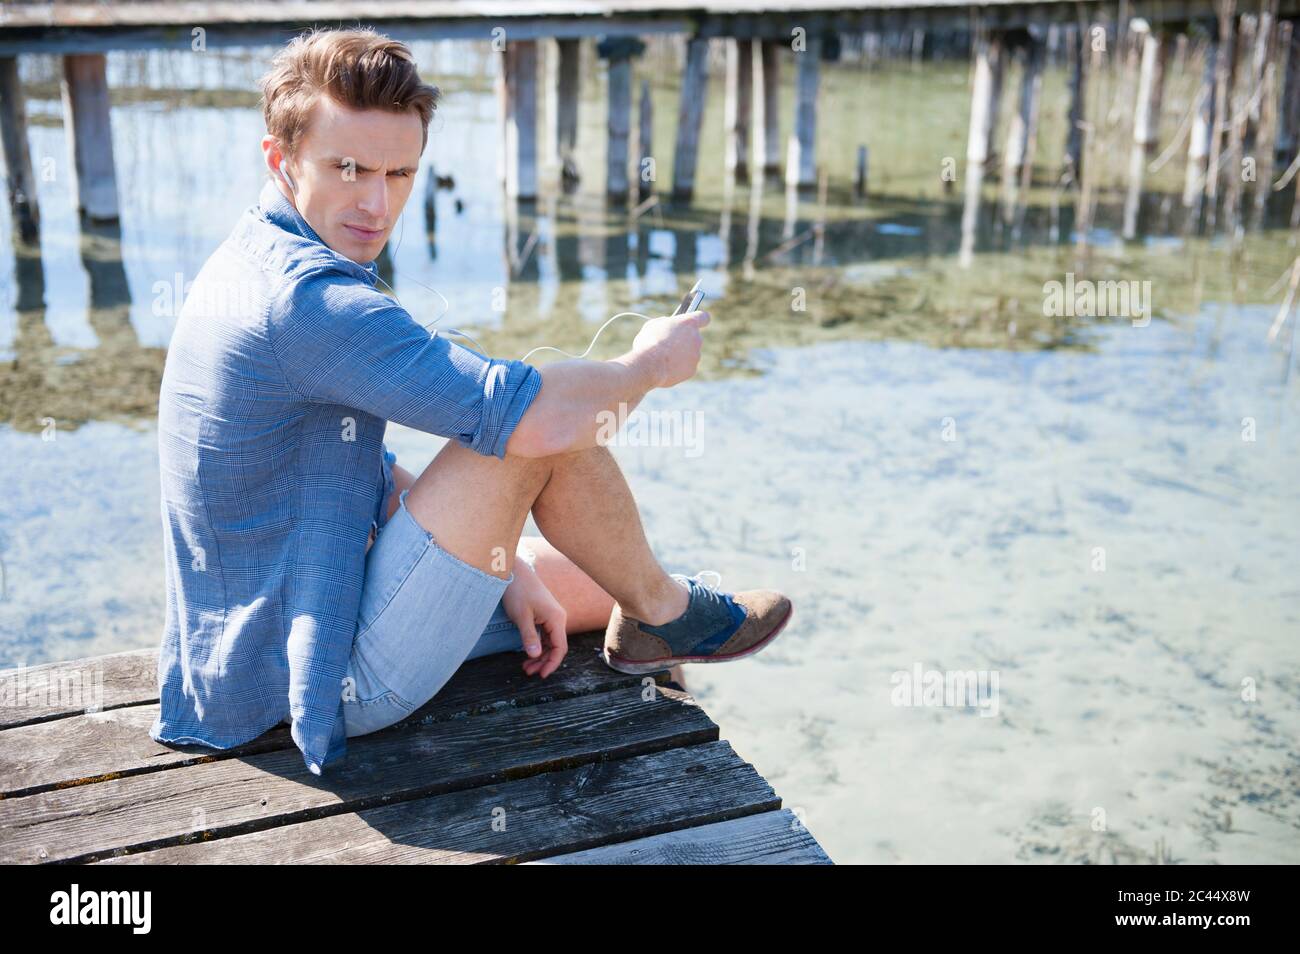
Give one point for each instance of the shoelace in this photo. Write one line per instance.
(708, 591)
(713, 586)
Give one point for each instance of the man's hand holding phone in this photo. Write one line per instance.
(675, 340)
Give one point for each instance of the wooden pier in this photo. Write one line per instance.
(590, 766)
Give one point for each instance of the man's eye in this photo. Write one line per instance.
(400, 172)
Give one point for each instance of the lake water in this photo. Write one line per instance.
(1098, 515)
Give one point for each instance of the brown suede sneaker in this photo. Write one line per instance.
(716, 627)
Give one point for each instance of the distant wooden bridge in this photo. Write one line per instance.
(759, 33)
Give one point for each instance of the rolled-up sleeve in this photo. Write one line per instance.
(340, 341)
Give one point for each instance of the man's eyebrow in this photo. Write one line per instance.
(336, 160)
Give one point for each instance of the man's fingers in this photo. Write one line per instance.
(701, 318)
(532, 644)
(555, 635)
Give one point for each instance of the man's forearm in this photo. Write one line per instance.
(567, 413)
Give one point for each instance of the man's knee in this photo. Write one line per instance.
(456, 462)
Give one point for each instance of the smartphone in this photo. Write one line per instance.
(691, 301)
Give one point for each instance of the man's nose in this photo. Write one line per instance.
(374, 199)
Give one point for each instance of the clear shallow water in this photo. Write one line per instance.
(821, 468)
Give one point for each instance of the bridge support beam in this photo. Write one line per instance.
(767, 126)
(90, 135)
(1146, 123)
(985, 93)
(619, 51)
(1073, 165)
(1288, 129)
(1202, 131)
(805, 115)
(567, 82)
(986, 88)
(21, 184)
(645, 167)
(517, 97)
(739, 106)
(619, 127)
(1022, 135)
(690, 114)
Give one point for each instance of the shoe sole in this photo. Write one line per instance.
(637, 668)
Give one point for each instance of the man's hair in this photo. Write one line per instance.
(360, 68)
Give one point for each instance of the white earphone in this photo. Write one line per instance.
(288, 180)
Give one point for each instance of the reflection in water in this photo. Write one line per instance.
(845, 329)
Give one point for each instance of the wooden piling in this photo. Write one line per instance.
(985, 84)
(767, 130)
(984, 91)
(90, 135)
(620, 128)
(20, 182)
(517, 90)
(1202, 131)
(1288, 128)
(1085, 201)
(690, 114)
(1023, 128)
(1265, 144)
(1074, 132)
(1157, 93)
(1145, 122)
(792, 165)
(739, 106)
(1223, 72)
(1240, 93)
(568, 81)
(805, 111)
(645, 183)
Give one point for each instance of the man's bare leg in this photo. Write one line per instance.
(476, 506)
(587, 607)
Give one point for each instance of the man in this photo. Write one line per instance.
(286, 364)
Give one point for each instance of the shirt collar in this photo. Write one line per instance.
(279, 211)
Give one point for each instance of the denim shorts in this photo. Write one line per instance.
(423, 612)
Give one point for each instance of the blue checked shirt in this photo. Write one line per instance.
(284, 367)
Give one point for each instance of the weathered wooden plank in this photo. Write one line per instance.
(55, 690)
(600, 803)
(235, 796)
(91, 747)
(770, 838)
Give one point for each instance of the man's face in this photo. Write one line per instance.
(354, 170)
